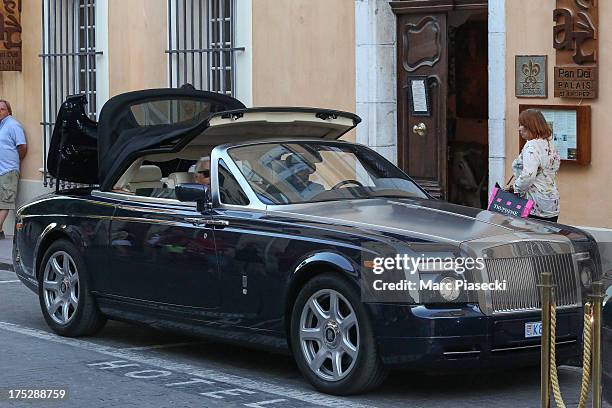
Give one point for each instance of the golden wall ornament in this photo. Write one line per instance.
(575, 38)
(10, 35)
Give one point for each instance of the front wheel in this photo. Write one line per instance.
(332, 338)
(67, 305)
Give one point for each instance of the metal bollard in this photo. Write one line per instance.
(597, 299)
(546, 293)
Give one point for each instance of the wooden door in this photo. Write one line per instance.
(422, 52)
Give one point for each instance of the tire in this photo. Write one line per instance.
(345, 336)
(63, 292)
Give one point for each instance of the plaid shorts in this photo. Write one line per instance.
(8, 189)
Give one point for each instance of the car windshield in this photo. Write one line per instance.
(289, 173)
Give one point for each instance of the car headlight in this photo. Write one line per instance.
(442, 287)
(445, 282)
(586, 277)
(585, 269)
(449, 289)
(607, 280)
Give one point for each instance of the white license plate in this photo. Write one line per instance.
(533, 329)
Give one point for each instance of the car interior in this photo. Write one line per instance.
(158, 175)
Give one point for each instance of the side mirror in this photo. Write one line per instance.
(193, 192)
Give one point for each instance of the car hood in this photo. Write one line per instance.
(423, 219)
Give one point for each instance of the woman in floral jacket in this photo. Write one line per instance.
(535, 169)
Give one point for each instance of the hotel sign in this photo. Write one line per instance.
(10, 35)
(575, 37)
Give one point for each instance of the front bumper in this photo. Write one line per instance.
(427, 339)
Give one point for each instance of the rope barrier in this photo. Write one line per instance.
(586, 356)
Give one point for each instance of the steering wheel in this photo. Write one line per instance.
(344, 182)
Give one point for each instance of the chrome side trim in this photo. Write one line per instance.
(535, 346)
(462, 353)
(140, 199)
(149, 221)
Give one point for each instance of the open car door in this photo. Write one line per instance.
(73, 152)
(131, 124)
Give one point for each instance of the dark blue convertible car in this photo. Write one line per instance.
(279, 248)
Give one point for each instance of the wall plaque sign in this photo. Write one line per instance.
(576, 82)
(530, 79)
(571, 130)
(575, 37)
(10, 35)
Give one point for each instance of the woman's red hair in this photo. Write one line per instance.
(534, 121)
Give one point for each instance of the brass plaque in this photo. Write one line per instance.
(530, 78)
(10, 35)
(576, 82)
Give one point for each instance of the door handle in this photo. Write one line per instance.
(217, 223)
(207, 222)
(196, 221)
(420, 129)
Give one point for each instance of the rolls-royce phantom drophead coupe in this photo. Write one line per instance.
(259, 226)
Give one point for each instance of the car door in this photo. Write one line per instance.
(163, 252)
(246, 270)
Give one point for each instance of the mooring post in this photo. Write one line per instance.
(597, 299)
(546, 295)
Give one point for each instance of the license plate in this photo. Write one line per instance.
(533, 329)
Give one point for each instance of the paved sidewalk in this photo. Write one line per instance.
(6, 250)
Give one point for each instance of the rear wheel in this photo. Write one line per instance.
(66, 303)
(332, 338)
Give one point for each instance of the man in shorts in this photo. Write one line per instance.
(13, 149)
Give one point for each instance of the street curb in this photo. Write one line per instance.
(6, 266)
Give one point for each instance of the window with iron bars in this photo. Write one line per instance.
(68, 61)
(201, 41)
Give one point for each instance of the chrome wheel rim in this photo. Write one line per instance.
(329, 335)
(61, 287)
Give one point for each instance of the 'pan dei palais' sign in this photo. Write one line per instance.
(575, 37)
(10, 35)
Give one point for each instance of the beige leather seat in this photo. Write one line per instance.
(147, 176)
(174, 179)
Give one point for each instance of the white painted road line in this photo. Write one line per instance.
(213, 375)
(163, 346)
(9, 281)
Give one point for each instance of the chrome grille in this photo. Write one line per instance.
(523, 276)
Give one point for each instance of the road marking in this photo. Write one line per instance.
(146, 374)
(262, 404)
(190, 382)
(11, 281)
(214, 375)
(110, 365)
(162, 346)
(224, 393)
